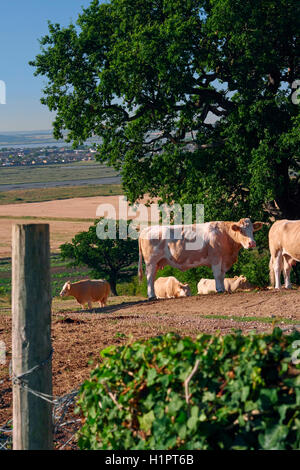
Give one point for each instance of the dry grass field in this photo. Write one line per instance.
(66, 218)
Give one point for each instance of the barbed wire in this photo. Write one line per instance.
(61, 424)
(61, 408)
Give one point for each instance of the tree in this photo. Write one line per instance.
(106, 257)
(192, 99)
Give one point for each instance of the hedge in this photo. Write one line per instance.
(217, 392)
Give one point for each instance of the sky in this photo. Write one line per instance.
(22, 23)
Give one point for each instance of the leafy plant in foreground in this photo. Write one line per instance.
(217, 392)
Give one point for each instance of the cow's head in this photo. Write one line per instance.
(244, 229)
(184, 290)
(244, 283)
(66, 289)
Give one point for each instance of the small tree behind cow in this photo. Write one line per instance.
(105, 257)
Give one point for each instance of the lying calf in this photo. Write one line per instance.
(87, 291)
(206, 286)
(170, 288)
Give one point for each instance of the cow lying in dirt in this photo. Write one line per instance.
(170, 288)
(284, 244)
(206, 286)
(87, 291)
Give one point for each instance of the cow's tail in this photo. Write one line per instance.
(271, 272)
(140, 268)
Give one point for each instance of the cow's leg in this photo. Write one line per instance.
(277, 265)
(151, 270)
(287, 266)
(90, 305)
(219, 277)
(81, 304)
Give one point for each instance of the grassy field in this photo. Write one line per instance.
(63, 192)
(61, 271)
(61, 172)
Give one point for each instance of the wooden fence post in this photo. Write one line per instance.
(31, 336)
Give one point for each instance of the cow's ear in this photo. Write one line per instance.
(235, 227)
(257, 226)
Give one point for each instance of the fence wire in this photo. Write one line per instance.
(65, 425)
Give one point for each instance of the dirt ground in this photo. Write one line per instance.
(79, 335)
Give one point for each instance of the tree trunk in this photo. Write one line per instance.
(113, 285)
(289, 198)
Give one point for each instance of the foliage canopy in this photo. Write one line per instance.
(192, 99)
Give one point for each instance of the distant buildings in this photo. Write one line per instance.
(43, 156)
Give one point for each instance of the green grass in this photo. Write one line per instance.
(250, 319)
(58, 193)
(5, 265)
(50, 173)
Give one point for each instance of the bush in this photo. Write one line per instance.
(254, 265)
(244, 394)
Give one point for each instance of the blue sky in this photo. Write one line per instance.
(22, 23)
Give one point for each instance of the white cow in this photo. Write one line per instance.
(214, 244)
(206, 286)
(170, 288)
(284, 244)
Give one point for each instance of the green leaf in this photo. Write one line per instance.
(192, 422)
(146, 421)
(151, 376)
(273, 437)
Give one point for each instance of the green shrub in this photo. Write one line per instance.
(244, 394)
(5, 288)
(254, 265)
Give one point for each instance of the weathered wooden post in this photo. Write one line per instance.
(31, 337)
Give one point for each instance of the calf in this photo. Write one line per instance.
(206, 286)
(87, 291)
(170, 288)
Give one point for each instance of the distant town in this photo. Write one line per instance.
(44, 156)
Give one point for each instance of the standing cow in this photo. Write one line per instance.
(284, 245)
(87, 291)
(214, 244)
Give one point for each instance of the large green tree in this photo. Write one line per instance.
(192, 99)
